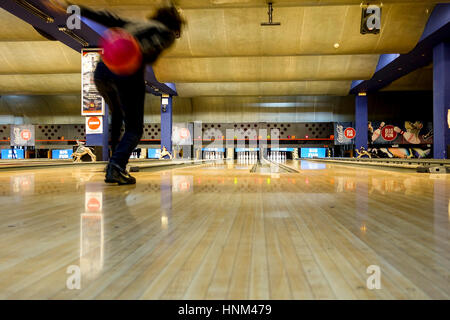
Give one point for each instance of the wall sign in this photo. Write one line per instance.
(62, 154)
(23, 136)
(92, 102)
(94, 125)
(350, 133)
(10, 154)
(388, 133)
(344, 133)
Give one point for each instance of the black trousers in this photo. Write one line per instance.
(125, 96)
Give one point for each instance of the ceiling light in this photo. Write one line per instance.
(336, 45)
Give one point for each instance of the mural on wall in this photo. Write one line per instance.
(400, 133)
(402, 153)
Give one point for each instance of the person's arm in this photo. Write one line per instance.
(155, 41)
(104, 17)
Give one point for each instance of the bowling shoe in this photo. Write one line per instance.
(115, 174)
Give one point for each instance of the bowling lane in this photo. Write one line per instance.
(219, 231)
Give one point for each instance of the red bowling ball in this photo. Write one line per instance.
(121, 51)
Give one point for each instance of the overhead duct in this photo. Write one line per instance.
(270, 13)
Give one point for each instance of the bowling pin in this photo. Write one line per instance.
(410, 137)
(377, 132)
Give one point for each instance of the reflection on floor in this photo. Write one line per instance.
(219, 231)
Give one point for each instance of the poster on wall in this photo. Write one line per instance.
(398, 132)
(344, 133)
(23, 136)
(92, 102)
(94, 125)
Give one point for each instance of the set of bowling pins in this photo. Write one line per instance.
(214, 155)
(250, 157)
(409, 136)
(277, 156)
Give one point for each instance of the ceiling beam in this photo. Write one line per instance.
(392, 67)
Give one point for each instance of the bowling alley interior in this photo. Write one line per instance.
(290, 150)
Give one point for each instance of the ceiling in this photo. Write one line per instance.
(225, 52)
(418, 80)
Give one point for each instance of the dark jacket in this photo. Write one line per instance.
(153, 36)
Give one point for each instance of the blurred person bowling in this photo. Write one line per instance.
(128, 46)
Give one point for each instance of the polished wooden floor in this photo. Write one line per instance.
(218, 231)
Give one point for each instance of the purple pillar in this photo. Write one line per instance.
(441, 100)
(361, 120)
(101, 139)
(166, 122)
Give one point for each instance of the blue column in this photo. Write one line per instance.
(166, 122)
(101, 139)
(361, 120)
(441, 100)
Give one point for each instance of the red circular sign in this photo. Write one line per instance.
(94, 123)
(93, 205)
(184, 133)
(350, 133)
(388, 133)
(25, 134)
(184, 186)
